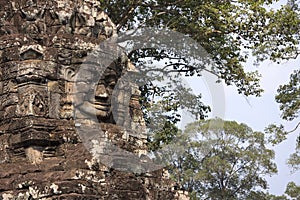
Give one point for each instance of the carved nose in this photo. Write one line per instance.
(101, 92)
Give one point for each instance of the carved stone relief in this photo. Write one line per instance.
(43, 44)
(32, 102)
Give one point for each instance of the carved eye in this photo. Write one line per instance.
(31, 54)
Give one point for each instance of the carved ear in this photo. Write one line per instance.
(73, 21)
(31, 54)
(68, 73)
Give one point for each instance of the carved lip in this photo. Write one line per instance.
(91, 109)
(101, 106)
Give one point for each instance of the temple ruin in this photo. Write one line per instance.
(42, 46)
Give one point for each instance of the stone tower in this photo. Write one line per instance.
(43, 44)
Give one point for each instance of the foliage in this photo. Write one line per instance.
(280, 38)
(221, 160)
(172, 97)
(285, 45)
(292, 192)
(289, 100)
(276, 133)
(223, 28)
(289, 97)
(164, 136)
(294, 160)
(228, 31)
(274, 197)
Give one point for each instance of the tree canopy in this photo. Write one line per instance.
(222, 160)
(228, 30)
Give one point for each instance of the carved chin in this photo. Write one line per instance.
(102, 114)
(98, 109)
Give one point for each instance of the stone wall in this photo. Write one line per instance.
(43, 44)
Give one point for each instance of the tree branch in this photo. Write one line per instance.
(127, 15)
(297, 126)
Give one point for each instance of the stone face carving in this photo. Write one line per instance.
(43, 44)
(99, 101)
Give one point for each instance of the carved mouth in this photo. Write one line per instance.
(101, 106)
(100, 109)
